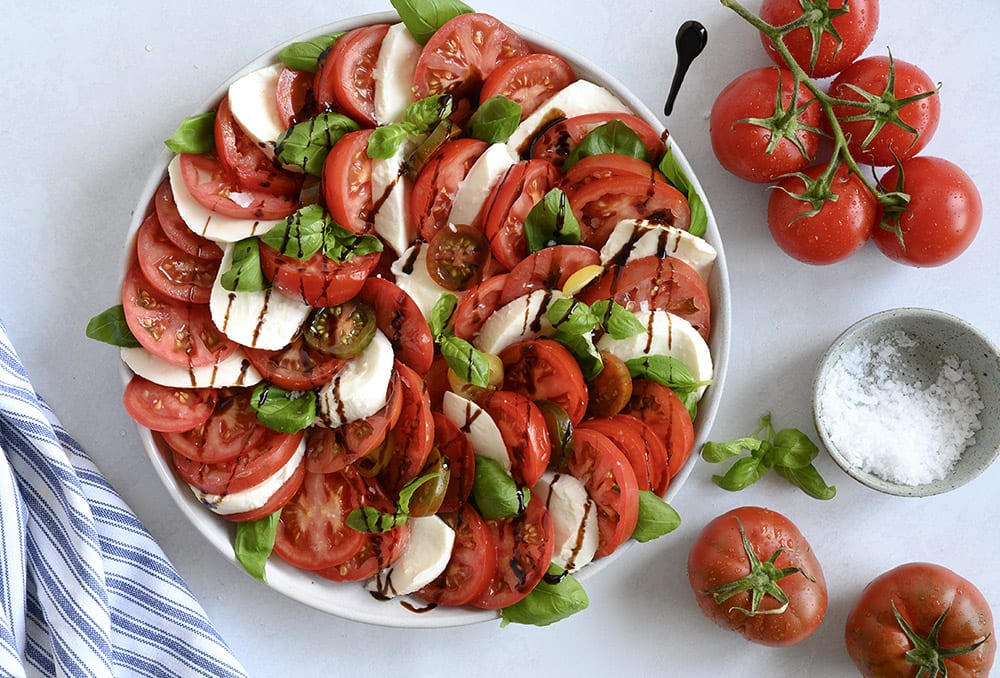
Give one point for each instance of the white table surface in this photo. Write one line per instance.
(91, 90)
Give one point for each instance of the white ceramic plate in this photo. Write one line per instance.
(350, 600)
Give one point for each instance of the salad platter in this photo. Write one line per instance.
(506, 326)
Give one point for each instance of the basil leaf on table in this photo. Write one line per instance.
(196, 134)
(111, 327)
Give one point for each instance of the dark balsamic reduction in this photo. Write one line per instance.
(690, 41)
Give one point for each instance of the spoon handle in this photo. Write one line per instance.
(690, 41)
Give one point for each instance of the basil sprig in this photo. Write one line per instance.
(307, 144)
(305, 55)
(311, 229)
(495, 120)
(424, 17)
(370, 519)
(551, 222)
(675, 175)
(467, 361)
(495, 493)
(556, 597)
(420, 117)
(789, 452)
(254, 542)
(656, 517)
(245, 273)
(196, 134)
(613, 136)
(575, 323)
(281, 410)
(111, 327)
(673, 374)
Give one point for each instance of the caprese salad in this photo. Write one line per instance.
(419, 307)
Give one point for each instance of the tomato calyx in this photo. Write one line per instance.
(926, 652)
(817, 17)
(784, 123)
(894, 204)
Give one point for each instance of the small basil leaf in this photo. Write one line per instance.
(495, 120)
(496, 494)
(196, 134)
(406, 494)
(440, 318)
(468, 362)
(613, 136)
(808, 480)
(570, 316)
(423, 115)
(742, 474)
(551, 222)
(690, 401)
(341, 245)
(370, 520)
(300, 235)
(424, 17)
(548, 602)
(793, 449)
(666, 370)
(716, 452)
(617, 320)
(675, 175)
(244, 274)
(254, 542)
(307, 144)
(304, 56)
(281, 410)
(111, 327)
(656, 517)
(387, 139)
(583, 349)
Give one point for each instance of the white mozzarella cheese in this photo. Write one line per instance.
(580, 97)
(391, 196)
(393, 75)
(359, 390)
(205, 222)
(478, 426)
(254, 497)
(666, 334)
(425, 556)
(235, 370)
(264, 319)
(522, 318)
(254, 104)
(637, 238)
(574, 519)
(485, 172)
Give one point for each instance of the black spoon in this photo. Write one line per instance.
(690, 41)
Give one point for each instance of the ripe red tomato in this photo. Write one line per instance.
(294, 96)
(890, 139)
(556, 141)
(725, 573)
(524, 434)
(472, 565)
(438, 182)
(508, 204)
(346, 79)
(838, 230)
(295, 367)
(172, 271)
(230, 430)
(347, 182)
(924, 596)
(663, 412)
(543, 369)
(162, 408)
(246, 160)
(755, 152)
(215, 187)
(177, 230)
(940, 221)
(528, 80)
(317, 281)
(856, 28)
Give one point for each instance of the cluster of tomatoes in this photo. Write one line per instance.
(773, 124)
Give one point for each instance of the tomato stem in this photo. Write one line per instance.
(926, 652)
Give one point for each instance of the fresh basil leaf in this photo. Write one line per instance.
(551, 222)
(690, 402)
(666, 370)
(744, 473)
(423, 115)
(675, 175)
(613, 136)
(254, 542)
(468, 362)
(617, 320)
(385, 140)
(793, 449)
(496, 494)
(196, 134)
(807, 479)
(716, 452)
(424, 17)
(300, 235)
(307, 144)
(656, 517)
(406, 494)
(583, 349)
(281, 410)
(570, 316)
(548, 602)
(245, 273)
(495, 120)
(341, 245)
(111, 327)
(440, 318)
(304, 56)
(370, 520)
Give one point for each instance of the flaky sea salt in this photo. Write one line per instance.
(908, 431)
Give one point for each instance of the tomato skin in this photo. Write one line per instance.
(508, 204)
(660, 409)
(644, 450)
(921, 592)
(718, 557)
(942, 218)
(347, 182)
(177, 230)
(528, 80)
(872, 75)
(400, 320)
(174, 272)
(161, 408)
(856, 29)
(472, 564)
(294, 96)
(543, 369)
(841, 227)
(476, 306)
(345, 81)
(555, 142)
(438, 181)
(318, 281)
(524, 433)
(741, 147)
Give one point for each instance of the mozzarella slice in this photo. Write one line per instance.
(424, 558)
(574, 519)
(254, 104)
(393, 75)
(391, 197)
(476, 187)
(478, 426)
(637, 238)
(666, 334)
(577, 98)
(360, 389)
(523, 318)
(266, 319)
(205, 222)
(235, 370)
(254, 497)
(412, 277)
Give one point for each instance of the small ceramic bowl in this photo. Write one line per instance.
(874, 379)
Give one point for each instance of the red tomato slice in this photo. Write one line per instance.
(246, 160)
(172, 271)
(399, 318)
(294, 96)
(477, 305)
(644, 450)
(280, 497)
(377, 551)
(253, 466)
(295, 367)
(472, 565)
(413, 435)
(463, 52)
(179, 332)
(318, 281)
(524, 433)
(345, 80)
(347, 182)
(524, 546)
(556, 141)
(508, 204)
(458, 257)
(217, 189)
(230, 429)
(606, 165)
(528, 80)
(611, 389)
(177, 230)
(543, 369)
(438, 181)
(162, 408)
(547, 269)
(610, 481)
(457, 449)
(664, 412)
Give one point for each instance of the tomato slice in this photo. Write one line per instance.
(508, 204)
(413, 434)
(557, 141)
(547, 269)
(605, 165)
(644, 450)
(456, 448)
(172, 271)
(611, 389)
(377, 551)
(473, 561)
(347, 182)
(477, 305)
(528, 80)
(317, 281)
(294, 96)
(162, 408)
(437, 183)
(280, 497)
(610, 481)
(524, 433)
(664, 412)
(177, 230)
(542, 369)
(230, 429)
(401, 321)
(457, 257)
(255, 464)
(217, 189)
(345, 80)
(242, 157)
(295, 367)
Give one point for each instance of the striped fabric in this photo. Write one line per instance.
(84, 589)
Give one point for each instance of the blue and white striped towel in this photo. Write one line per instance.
(84, 588)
